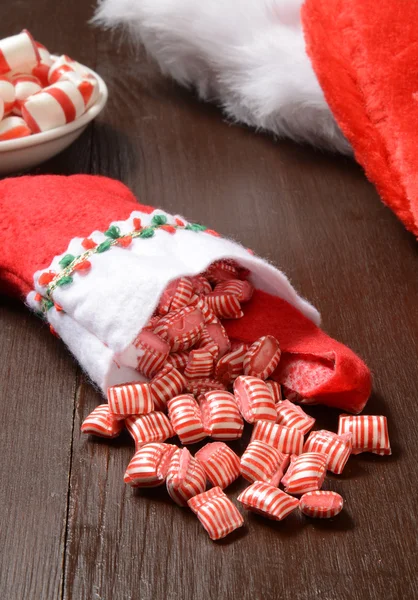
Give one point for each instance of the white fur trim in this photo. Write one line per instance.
(249, 55)
(107, 306)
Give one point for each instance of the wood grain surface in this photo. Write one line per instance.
(70, 529)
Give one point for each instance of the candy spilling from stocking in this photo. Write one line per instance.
(38, 91)
(199, 383)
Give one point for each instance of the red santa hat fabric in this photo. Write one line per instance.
(98, 312)
(365, 55)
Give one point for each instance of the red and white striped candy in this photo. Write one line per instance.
(238, 287)
(182, 328)
(321, 504)
(290, 415)
(254, 399)
(186, 419)
(53, 106)
(178, 360)
(149, 465)
(167, 384)
(25, 86)
(267, 500)
(62, 66)
(220, 463)
(221, 270)
(235, 344)
(18, 52)
(261, 462)
(12, 128)
(216, 513)
(7, 94)
(130, 399)
(230, 366)
(200, 303)
(306, 473)
(185, 478)
(220, 415)
(41, 69)
(210, 347)
(284, 439)
(100, 422)
(262, 358)
(336, 447)
(201, 285)
(87, 85)
(151, 353)
(201, 386)
(225, 306)
(152, 427)
(200, 364)
(275, 390)
(152, 323)
(370, 433)
(215, 333)
(177, 294)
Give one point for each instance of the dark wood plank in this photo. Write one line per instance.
(319, 219)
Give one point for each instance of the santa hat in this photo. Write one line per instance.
(82, 252)
(345, 77)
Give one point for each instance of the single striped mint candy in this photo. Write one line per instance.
(152, 427)
(284, 439)
(275, 390)
(200, 364)
(186, 419)
(290, 415)
(18, 52)
(201, 285)
(238, 287)
(220, 415)
(321, 504)
(306, 473)
(254, 399)
(261, 462)
(149, 465)
(151, 353)
(53, 106)
(262, 358)
(220, 463)
(216, 513)
(12, 128)
(167, 384)
(130, 399)
(267, 500)
(102, 423)
(25, 86)
(63, 65)
(200, 303)
(182, 328)
(201, 386)
(185, 477)
(178, 360)
(336, 447)
(7, 94)
(370, 433)
(215, 333)
(225, 306)
(221, 270)
(230, 366)
(176, 295)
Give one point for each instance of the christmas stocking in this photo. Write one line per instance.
(94, 263)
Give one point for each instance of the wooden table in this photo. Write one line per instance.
(70, 528)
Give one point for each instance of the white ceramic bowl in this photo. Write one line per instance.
(27, 152)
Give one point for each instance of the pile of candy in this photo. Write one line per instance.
(202, 384)
(37, 92)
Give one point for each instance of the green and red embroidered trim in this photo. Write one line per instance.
(71, 263)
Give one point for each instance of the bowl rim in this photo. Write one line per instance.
(52, 134)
